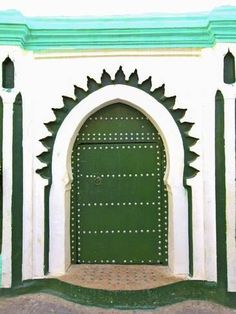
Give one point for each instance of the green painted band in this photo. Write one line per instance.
(135, 299)
(220, 189)
(197, 30)
(17, 192)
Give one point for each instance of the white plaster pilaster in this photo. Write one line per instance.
(8, 99)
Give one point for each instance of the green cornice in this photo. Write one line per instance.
(198, 30)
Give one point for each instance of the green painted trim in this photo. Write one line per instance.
(202, 29)
(190, 228)
(8, 74)
(0, 270)
(229, 68)
(220, 190)
(1, 186)
(1, 167)
(139, 299)
(46, 228)
(17, 192)
(159, 95)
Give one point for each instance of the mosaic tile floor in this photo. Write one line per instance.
(120, 277)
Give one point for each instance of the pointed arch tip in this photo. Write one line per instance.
(92, 84)
(105, 72)
(159, 92)
(192, 156)
(105, 78)
(146, 85)
(229, 52)
(219, 95)
(8, 58)
(18, 99)
(44, 172)
(119, 76)
(133, 78)
(44, 157)
(190, 172)
(179, 113)
(47, 141)
(51, 125)
(64, 97)
(80, 93)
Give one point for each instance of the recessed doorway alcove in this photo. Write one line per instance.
(121, 186)
(119, 202)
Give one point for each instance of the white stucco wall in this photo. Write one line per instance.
(192, 75)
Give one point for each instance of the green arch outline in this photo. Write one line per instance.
(158, 94)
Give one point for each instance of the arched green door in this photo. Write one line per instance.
(119, 204)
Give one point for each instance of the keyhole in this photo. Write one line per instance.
(98, 180)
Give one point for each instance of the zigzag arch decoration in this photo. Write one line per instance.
(133, 80)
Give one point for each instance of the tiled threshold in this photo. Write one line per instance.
(120, 277)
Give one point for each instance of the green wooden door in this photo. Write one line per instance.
(119, 206)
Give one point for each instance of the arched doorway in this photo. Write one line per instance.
(59, 200)
(119, 202)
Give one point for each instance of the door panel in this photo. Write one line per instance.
(118, 201)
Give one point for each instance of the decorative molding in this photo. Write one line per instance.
(146, 85)
(199, 30)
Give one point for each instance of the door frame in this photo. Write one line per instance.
(59, 217)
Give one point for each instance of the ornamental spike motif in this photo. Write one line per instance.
(133, 79)
(106, 78)
(120, 76)
(146, 85)
(92, 84)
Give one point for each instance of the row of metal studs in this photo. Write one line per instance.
(130, 175)
(117, 134)
(117, 147)
(114, 261)
(117, 231)
(78, 217)
(157, 261)
(166, 214)
(159, 237)
(117, 204)
(164, 211)
(73, 255)
(137, 138)
(118, 118)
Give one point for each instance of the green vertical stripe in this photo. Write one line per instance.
(1, 193)
(17, 192)
(190, 231)
(229, 68)
(220, 190)
(1, 186)
(46, 228)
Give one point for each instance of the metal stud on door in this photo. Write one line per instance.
(119, 203)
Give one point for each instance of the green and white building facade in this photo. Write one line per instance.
(118, 147)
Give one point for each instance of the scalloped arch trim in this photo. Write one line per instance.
(133, 80)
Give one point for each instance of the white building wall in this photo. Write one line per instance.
(193, 75)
